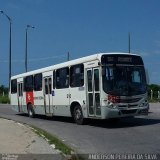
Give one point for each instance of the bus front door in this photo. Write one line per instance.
(93, 92)
(20, 96)
(47, 94)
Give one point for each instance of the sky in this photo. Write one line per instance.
(80, 27)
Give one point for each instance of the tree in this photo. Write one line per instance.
(3, 89)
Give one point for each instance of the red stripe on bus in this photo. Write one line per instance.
(29, 98)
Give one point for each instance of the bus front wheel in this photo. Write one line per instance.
(78, 115)
(31, 111)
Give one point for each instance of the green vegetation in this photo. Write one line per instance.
(154, 93)
(4, 99)
(4, 95)
(3, 90)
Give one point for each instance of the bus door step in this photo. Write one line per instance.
(49, 114)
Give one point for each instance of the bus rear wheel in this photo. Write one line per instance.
(31, 112)
(78, 115)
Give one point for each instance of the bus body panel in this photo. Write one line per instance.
(78, 95)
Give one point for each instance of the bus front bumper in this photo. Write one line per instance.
(127, 112)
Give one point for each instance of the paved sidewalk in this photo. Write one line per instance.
(16, 138)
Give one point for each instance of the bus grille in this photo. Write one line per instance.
(133, 100)
(128, 106)
(129, 111)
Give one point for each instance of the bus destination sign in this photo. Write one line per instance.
(121, 59)
(124, 59)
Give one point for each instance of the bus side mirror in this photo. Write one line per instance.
(147, 76)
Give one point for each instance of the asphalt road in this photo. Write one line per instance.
(129, 135)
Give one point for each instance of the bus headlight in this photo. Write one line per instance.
(144, 103)
(111, 106)
(141, 105)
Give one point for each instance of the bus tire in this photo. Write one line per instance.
(78, 115)
(31, 112)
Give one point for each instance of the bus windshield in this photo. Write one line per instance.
(124, 80)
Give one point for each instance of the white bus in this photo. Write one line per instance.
(100, 86)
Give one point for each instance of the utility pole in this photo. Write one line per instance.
(26, 49)
(10, 38)
(129, 43)
(68, 56)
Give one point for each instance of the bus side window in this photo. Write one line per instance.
(38, 82)
(28, 83)
(62, 78)
(13, 86)
(77, 75)
(54, 79)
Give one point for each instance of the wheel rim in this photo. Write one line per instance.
(30, 113)
(78, 114)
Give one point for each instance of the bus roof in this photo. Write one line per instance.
(68, 63)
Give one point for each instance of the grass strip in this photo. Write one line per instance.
(65, 149)
(53, 140)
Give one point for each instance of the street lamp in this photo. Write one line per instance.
(10, 30)
(26, 54)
